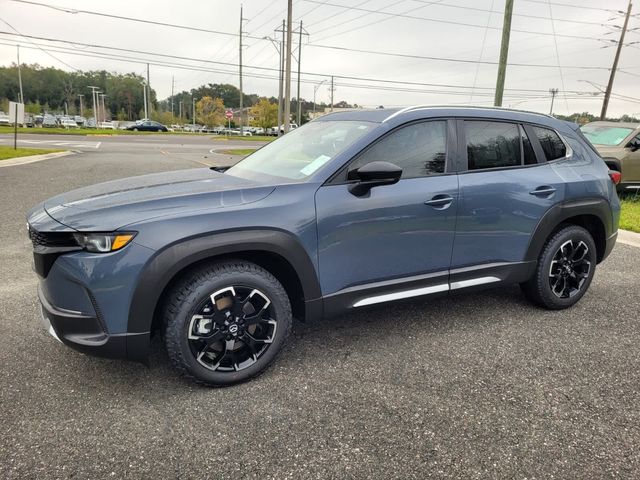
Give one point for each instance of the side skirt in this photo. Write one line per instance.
(438, 284)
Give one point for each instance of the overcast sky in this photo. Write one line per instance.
(437, 32)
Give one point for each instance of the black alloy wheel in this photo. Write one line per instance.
(232, 329)
(569, 269)
(225, 323)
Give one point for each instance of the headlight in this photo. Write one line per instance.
(103, 242)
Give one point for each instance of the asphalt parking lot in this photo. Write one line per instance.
(471, 386)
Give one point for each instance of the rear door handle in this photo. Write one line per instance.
(543, 191)
(440, 201)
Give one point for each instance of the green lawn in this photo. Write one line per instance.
(7, 152)
(237, 151)
(253, 138)
(630, 216)
(88, 131)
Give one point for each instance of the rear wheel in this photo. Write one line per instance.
(565, 269)
(135, 129)
(225, 324)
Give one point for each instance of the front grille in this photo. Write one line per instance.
(51, 239)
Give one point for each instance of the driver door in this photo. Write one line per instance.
(397, 239)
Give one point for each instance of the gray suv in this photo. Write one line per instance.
(351, 210)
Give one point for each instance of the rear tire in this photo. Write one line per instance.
(225, 323)
(565, 269)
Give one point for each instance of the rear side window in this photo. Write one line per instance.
(493, 144)
(553, 147)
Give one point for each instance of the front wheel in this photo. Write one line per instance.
(565, 269)
(225, 324)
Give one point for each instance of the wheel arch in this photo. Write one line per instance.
(276, 251)
(593, 214)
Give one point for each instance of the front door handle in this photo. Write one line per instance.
(543, 191)
(440, 202)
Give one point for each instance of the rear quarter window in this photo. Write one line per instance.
(553, 147)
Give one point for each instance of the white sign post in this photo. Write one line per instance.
(16, 110)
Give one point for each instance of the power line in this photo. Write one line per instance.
(440, 21)
(523, 15)
(555, 41)
(27, 39)
(268, 69)
(583, 7)
(331, 47)
(375, 22)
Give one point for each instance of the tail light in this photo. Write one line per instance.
(615, 176)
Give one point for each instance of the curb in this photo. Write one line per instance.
(35, 158)
(629, 238)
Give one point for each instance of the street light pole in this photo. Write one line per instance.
(81, 96)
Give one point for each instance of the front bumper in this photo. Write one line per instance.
(81, 331)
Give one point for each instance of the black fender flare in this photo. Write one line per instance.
(597, 206)
(168, 262)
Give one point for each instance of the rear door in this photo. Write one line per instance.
(506, 188)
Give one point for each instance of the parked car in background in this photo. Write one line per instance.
(80, 120)
(67, 122)
(4, 119)
(107, 125)
(148, 126)
(292, 126)
(353, 209)
(90, 123)
(49, 121)
(29, 122)
(619, 145)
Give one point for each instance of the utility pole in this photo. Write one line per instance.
(104, 109)
(504, 52)
(148, 93)
(332, 88)
(144, 99)
(287, 81)
(612, 76)
(180, 107)
(281, 75)
(193, 111)
(240, 72)
(553, 92)
(299, 104)
(93, 98)
(172, 86)
(20, 76)
(81, 96)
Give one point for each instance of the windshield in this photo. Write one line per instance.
(605, 135)
(298, 154)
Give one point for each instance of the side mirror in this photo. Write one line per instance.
(374, 174)
(634, 144)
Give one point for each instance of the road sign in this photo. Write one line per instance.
(228, 114)
(16, 114)
(13, 114)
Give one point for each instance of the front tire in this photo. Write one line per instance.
(565, 269)
(225, 323)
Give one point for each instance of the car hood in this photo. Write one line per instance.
(112, 205)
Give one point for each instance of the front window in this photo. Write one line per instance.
(301, 152)
(605, 134)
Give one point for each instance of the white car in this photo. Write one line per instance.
(4, 119)
(68, 123)
(106, 125)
